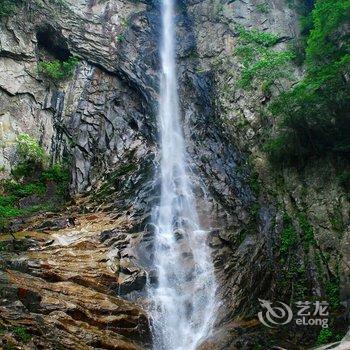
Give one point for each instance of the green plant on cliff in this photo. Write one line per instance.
(332, 291)
(292, 281)
(22, 334)
(307, 231)
(313, 118)
(289, 237)
(254, 36)
(260, 61)
(29, 150)
(8, 7)
(31, 178)
(31, 155)
(58, 70)
(263, 7)
(324, 336)
(120, 38)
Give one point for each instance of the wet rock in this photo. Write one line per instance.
(66, 295)
(56, 224)
(179, 234)
(131, 282)
(107, 235)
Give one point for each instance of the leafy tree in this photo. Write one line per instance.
(313, 117)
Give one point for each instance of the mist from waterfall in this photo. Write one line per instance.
(184, 297)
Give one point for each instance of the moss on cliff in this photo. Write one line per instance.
(34, 186)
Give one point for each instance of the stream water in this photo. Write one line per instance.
(184, 298)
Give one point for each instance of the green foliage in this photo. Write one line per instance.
(114, 181)
(13, 191)
(21, 190)
(3, 248)
(307, 230)
(263, 7)
(282, 147)
(32, 157)
(288, 235)
(255, 208)
(323, 44)
(60, 175)
(58, 70)
(254, 36)
(292, 279)
(336, 220)
(8, 7)
(29, 150)
(25, 169)
(332, 291)
(313, 117)
(22, 334)
(55, 173)
(267, 69)
(324, 336)
(9, 211)
(31, 177)
(260, 62)
(298, 45)
(120, 38)
(6, 201)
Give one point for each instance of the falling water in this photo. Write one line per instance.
(184, 296)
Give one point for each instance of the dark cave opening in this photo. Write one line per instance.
(53, 42)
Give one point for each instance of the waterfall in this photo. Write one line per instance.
(184, 297)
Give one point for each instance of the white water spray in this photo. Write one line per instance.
(184, 298)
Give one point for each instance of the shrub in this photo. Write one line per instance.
(22, 334)
(332, 291)
(313, 118)
(29, 150)
(60, 175)
(324, 336)
(120, 38)
(324, 43)
(263, 7)
(260, 61)
(21, 190)
(9, 212)
(32, 157)
(289, 237)
(255, 36)
(58, 70)
(8, 7)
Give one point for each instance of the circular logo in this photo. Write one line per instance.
(274, 315)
